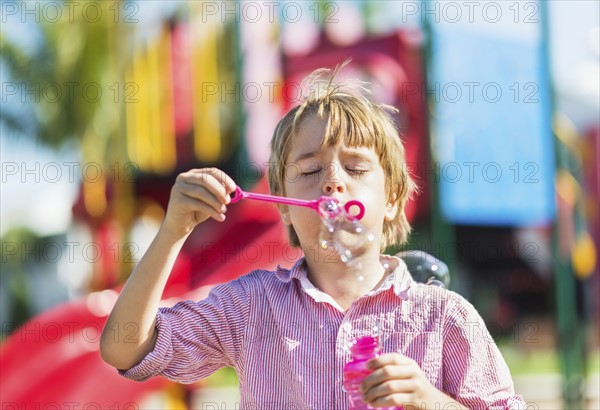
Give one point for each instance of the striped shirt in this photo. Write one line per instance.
(288, 341)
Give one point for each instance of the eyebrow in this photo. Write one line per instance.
(353, 153)
(305, 156)
(359, 155)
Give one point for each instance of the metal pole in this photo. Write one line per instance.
(569, 326)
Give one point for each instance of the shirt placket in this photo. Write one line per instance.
(346, 334)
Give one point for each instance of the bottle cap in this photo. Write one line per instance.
(364, 343)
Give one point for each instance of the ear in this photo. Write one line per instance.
(391, 209)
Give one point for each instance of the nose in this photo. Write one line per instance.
(329, 187)
(331, 182)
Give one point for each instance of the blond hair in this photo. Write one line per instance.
(357, 121)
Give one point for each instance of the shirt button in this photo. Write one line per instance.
(347, 326)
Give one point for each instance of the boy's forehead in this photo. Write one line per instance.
(313, 129)
(301, 150)
(312, 134)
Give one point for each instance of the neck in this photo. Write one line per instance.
(342, 282)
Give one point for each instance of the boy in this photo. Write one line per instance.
(287, 332)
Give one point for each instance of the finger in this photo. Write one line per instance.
(202, 193)
(196, 205)
(209, 180)
(388, 387)
(395, 400)
(387, 359)
(388, 372)
(228, 183)
(222, 178)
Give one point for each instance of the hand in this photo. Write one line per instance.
(196, 196)
(398, 380)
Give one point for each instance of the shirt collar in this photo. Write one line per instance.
(295, 272)
(399, 277)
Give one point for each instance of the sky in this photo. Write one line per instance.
(38, 185)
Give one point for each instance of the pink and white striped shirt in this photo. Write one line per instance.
(288, 341)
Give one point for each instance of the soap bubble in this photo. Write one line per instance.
(345, 234)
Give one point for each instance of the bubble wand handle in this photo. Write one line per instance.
(314, 204)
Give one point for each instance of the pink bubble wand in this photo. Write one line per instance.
(325, 206)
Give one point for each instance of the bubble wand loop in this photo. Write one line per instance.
(325, 206)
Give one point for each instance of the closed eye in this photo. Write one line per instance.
(356, 171)
(311, 172)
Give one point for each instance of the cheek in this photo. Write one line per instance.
(302, 217)
(375, 205)
(302, 188)
(306, 223)
(371, 194)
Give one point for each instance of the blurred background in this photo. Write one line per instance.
(105, 102)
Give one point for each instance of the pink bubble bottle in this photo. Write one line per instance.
(355, 371)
